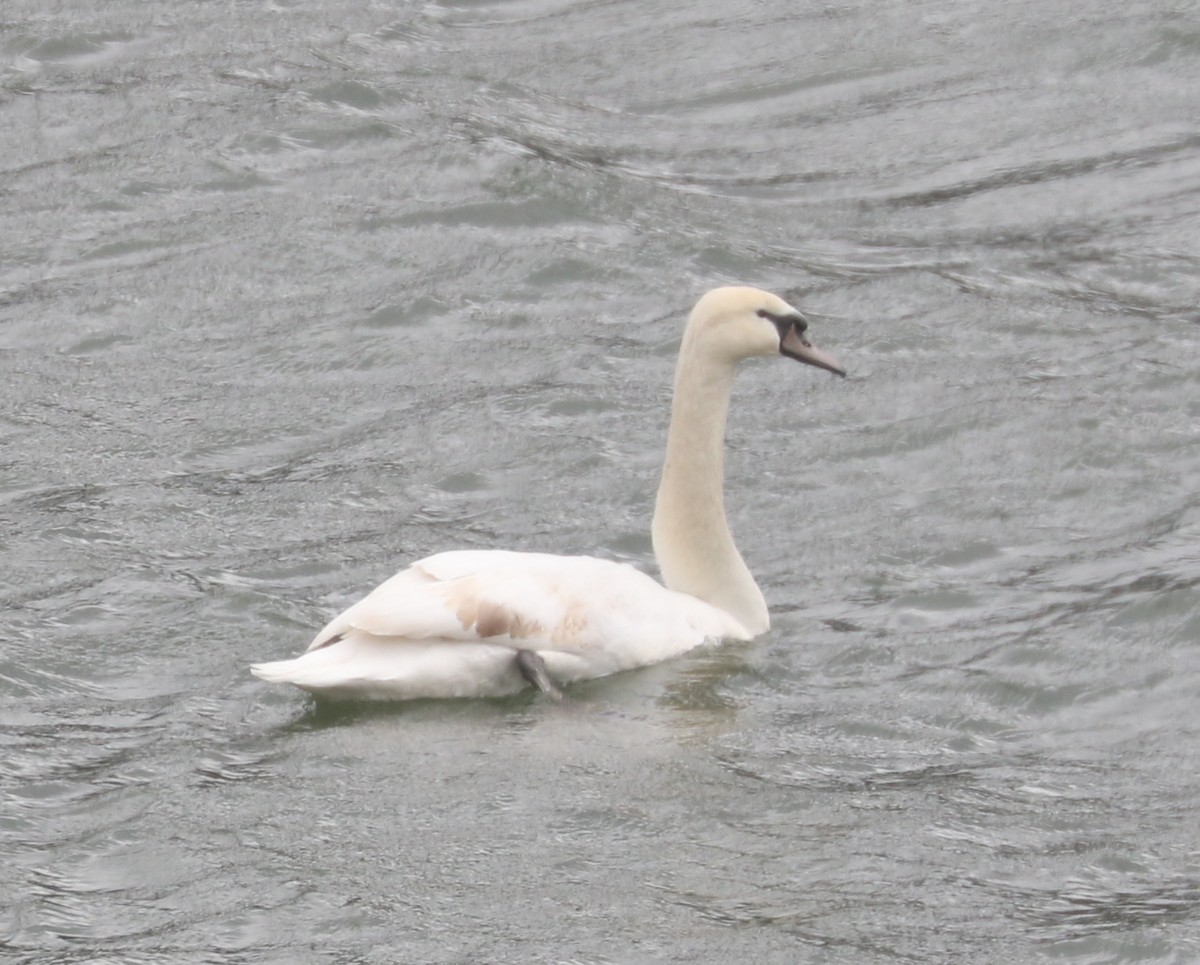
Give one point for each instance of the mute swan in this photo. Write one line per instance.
(483, 623)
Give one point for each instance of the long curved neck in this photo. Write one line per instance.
(692, 542)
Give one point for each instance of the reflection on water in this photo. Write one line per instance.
(295, 293)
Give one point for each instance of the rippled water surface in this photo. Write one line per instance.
(294, 292)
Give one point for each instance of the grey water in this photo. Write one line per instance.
(294, 292)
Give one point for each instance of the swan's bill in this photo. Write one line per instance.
(795, 345)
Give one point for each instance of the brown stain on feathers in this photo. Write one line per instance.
(491, 618)
(496, 620)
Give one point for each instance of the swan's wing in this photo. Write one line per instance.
(593, 609)
(449, 626)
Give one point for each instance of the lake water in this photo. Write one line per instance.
(294, 292)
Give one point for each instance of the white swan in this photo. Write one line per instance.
(482, 623)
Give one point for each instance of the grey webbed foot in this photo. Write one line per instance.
(533, 669)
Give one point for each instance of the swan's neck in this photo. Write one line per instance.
(692, 542)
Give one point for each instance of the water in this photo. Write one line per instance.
(294, 292)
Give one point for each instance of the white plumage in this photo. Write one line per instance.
(448, 626)
(453, 625)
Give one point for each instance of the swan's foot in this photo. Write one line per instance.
(533, 669)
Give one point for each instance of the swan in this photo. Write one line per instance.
(487, 623)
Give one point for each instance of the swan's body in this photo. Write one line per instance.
(474, 623)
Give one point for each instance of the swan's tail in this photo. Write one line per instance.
(362, 667)
(282, 672)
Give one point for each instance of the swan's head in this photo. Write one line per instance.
(737, 323)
